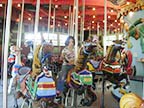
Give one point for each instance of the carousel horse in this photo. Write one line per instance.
(117, 65)
(131, 100)
(79, 79)
(14, 59)
(37, 87)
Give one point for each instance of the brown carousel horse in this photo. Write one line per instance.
(79, 79)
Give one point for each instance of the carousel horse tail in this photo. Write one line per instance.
(36, 66)
(131, 100)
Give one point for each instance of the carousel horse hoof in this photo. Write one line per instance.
(94, 98)
(15, 106)
(84, 102)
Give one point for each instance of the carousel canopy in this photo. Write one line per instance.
(94, 12)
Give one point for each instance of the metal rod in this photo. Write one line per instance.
(73, 17)
(3, 38)
(21, 24)
(105, 25)
(7, 37)
(98, 32)
(36, 22)
(69, 23)
(54, 21)
(49, 15)
(76, 29)
(17, 59)
(83, 20)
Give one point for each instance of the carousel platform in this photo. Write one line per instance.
(109, 101)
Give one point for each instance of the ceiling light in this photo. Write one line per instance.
(1, 5)
(118, 23)
(66, 24)
(79, 16)
(65, 16)
(29, 19)
(115, 20)
(40, 18)
(94, 16)
(58, 25)
(18, 5)
(92, 21)
(112, 11)
(109, 16)
(93, 9)
(52, 17)
(56, 6)
(128, 3)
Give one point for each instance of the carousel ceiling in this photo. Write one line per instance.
(94, 12)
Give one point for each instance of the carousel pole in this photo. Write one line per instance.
(54, 21)
(98, 31)
(105, 25)
(90, 30)
(19, 36)
(49, 16)
(104, 44)
(2, 57)
(36, 21)
(81, 30)
(73, 18)
(7, 37)
(69, 22)
(83, 20)
(76, 29)
(21, 25)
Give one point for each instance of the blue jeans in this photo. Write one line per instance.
(62, 77)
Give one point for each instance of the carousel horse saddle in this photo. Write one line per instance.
(43, 87)
(114, 67)
(84, 77)
(23, 72)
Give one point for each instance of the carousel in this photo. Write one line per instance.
(108, 53)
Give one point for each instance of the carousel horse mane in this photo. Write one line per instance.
(36, 66)
(131, 100)
(41, 54)
(84, 52)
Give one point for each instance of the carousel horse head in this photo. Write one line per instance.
(88, 48)
(28, 43)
